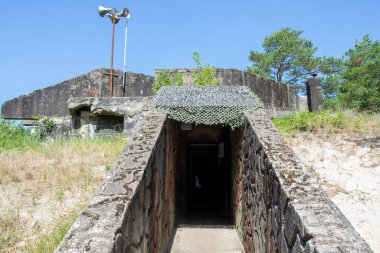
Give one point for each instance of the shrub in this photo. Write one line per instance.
(14, 136)
(45, 125)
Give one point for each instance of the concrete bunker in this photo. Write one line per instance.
(271, 199)
(278, 98)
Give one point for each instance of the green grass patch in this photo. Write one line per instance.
(16, 137)
(329, 122)
(312, 122)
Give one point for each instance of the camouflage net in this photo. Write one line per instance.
(217, 105)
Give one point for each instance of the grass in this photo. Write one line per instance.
(46, 181)
(9, 230)
(48, 241)
(328, 122)
(50, 159)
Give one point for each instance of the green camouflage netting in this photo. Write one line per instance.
(216, 105)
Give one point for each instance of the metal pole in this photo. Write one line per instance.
(125, 53)
(113, 39)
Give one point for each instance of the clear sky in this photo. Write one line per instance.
(45, 42)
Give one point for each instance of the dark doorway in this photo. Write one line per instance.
(204, 179)
(207, 185)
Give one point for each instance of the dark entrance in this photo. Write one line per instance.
(205, 186)
(204, 178)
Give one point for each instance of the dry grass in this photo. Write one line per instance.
(41, 186)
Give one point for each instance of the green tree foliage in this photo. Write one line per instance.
(358, 86)
(205, 74)
(289, 58)
(165, 78)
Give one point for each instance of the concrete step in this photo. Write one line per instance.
(206, 240)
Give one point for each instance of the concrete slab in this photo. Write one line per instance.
(201, 239)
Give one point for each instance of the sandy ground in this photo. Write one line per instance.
(348, 168)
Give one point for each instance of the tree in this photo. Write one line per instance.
(359, 87)
(289, 59)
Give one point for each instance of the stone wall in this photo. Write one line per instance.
(278, 98)
(281, 207)
(134, 209)
(236, 166)
(53, 100)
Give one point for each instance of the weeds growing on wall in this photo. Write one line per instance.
(165, 78)
(205, 74)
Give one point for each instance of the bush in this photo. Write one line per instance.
(45, 125)
(14, 136)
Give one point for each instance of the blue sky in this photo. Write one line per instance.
(45, 42)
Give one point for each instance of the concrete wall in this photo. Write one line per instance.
(53, 100)
(278, 98)
(89, 112)
(280, 206)
(133, 210)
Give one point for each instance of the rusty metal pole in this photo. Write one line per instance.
(113, 39)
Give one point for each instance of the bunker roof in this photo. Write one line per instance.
(207, 105)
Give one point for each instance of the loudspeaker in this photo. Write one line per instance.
(103, 10)
(125, 13)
